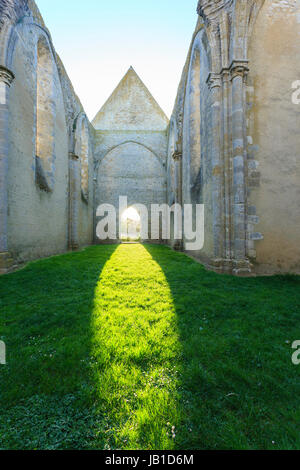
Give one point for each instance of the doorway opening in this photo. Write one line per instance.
(130, 225)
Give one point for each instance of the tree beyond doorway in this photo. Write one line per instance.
(130, 225)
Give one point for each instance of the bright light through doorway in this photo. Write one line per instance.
(131, 225)
(131, 213)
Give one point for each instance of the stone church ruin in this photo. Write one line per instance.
(232, 142)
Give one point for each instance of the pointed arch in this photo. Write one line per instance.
(45, 116)
(243, 18)
(195, 116)
(172, 139)
(82, 150)
(132, 170)
(131, 142)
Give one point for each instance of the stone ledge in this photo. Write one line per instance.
(231, 266)
(6, 263)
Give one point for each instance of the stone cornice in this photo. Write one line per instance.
(6, 75)
(213, 80)
(239, 68)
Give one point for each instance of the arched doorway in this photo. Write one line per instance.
(131, 170)
(130, 225)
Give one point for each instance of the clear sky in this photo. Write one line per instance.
(98, 40)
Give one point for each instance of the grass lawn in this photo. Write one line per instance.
(139, 347)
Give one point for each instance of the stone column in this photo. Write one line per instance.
(239, 71)
(6, 79)
(74, 193)
(214, 83)
(227, 169)
(177, 157)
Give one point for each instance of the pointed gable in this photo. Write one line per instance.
(131, 107)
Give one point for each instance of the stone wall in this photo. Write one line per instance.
(232, 143)
(39, 110)
(130, 147)
(274, 139)
(132, 170)
(233, 140)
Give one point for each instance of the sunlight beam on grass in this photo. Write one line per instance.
(118, 368)
(130, 225)
(135, 350)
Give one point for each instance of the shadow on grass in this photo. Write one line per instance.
(139, 347)
(46, 388)
(238, 387)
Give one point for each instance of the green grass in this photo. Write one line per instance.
(139, 347)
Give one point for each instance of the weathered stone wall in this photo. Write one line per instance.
(190, 137)
(84, 149)
(37, 219)
(131, 170)
(131, 107)
(130, 147)
(40, 110)
(197, 138)
(234, 131)
(274, 138)
(232, 143)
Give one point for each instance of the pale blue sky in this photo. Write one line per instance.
(98, 40)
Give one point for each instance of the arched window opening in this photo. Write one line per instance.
(130, 225)
(171, 166)
(45, 117)
(84, 158)
(197, 128)
(195, 119)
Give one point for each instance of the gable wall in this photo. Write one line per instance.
(132, 164)
(130, 147)
(131, 107)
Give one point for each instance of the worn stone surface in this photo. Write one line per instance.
(131, 107)
(275, 122)
(42, 109)
(232, 142)
(236, 88)
(6, 263)
(131, 147)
